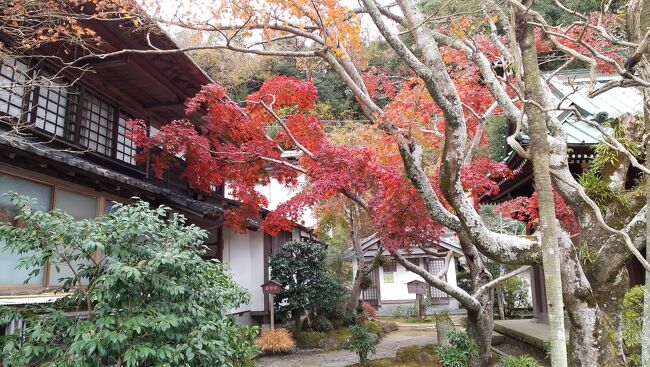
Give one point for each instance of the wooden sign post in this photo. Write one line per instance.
(419, 288)
(272, 288)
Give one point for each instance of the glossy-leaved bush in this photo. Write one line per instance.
(136, 292)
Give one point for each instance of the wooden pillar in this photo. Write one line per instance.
(540, 311)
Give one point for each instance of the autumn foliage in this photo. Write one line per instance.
(232, 147)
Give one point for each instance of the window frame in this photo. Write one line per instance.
(56, 185)
(73, 113)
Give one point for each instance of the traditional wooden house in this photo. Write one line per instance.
(571, 90)
(78, 156)
(388, 287)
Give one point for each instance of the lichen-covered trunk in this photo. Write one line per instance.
(594, 308)
(539, 150)
(480, 325)
(638, 24)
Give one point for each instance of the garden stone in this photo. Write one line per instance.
(328, 343)
(387, 327)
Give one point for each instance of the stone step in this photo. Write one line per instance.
(498, 338)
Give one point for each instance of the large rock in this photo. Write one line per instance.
(328, 343)
(387, 327)
(422, 355)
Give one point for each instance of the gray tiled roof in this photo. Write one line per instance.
(76, 161)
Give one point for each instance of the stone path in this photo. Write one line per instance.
(386, 348)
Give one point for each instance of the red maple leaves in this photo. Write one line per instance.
(525, 209)
(233, 146)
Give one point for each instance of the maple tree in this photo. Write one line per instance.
(430, 131)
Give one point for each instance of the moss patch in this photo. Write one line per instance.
(310, 339)
(411, 356)
(373, 327)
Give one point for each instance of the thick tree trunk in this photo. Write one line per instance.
(501, 302)
(638, 24)
(595, 322)
(355, 292)
(645, 330)
(548, 222)
(297, 325)
(480, 326)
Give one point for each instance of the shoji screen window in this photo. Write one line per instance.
(98, 120)
(51, 104)
(13, 76)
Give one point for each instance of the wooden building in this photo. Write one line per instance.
(388, 289)
(79, 157)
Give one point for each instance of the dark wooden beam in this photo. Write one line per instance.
(137, 62)
(164, 106)
(115, 62)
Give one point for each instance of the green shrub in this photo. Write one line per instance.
(521, 361)
(632, 324)
(515, 294)
(151, 301)
(317, 323)
(361, 343)
(461, 351)
(373, 327)
(350, 319)
(310, 339)
(299, 267)
(398, 312)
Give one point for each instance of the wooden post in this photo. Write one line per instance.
(418, 301)
(271, 288)
(272, 308)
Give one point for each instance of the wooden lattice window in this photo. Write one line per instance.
(12, 86)
(435, 266)
(98, 118)
(51, 105)
(125, 149)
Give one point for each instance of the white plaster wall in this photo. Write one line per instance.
(397, 291)
(277, 193)
(244, 252)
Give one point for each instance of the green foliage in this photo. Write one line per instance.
(600, 191)
(306, 286)
(149, 300)
(350, 319)
(546, 346)
(461, 351)
(605, 158)
(515, 294)
(310, 339)
(521, 361)
(362, 343)
(317, 323)
(556, 16)
(332, 91)
(372, 327)
(496, 133)
(633, 322)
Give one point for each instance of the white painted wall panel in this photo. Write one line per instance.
(244, 253)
